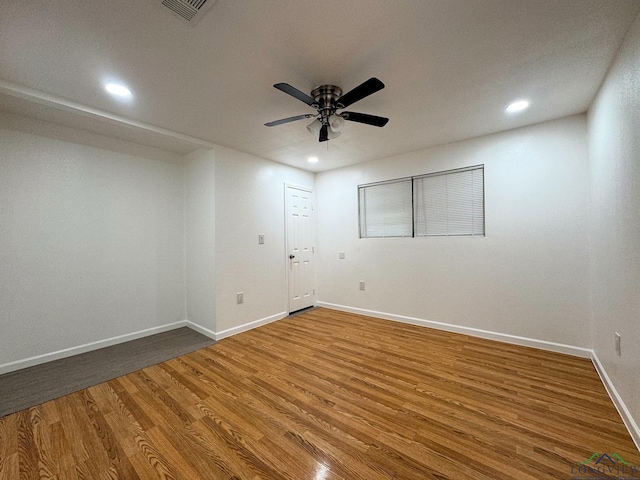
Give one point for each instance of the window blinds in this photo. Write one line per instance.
(449, 203)
(386, 209)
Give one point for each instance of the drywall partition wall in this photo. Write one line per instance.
(249, 201)
(91, 247)
(55, 131)
(614, 152)
(528, 276)
(200, 207)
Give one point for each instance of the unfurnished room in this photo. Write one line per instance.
(337, 240)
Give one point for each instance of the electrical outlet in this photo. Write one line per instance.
(239, 298)
(618, 350)
(361, 284)
(341, 255)
(260, 239)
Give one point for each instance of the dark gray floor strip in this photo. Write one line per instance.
(302, 310)
(35, 385)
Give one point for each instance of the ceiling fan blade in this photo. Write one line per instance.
(287, 120)
(363, 90)
(324, 133)
(294, 92)
(364, 118)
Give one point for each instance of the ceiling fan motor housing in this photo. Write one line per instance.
(326, 96)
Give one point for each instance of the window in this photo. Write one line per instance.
(449, 203)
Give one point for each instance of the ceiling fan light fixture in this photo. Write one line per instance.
(314, 127)
(336, 122)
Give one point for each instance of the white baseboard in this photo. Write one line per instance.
(248, 326)
(87, 347)
(628, 420)
(200, 329)
(475, 332)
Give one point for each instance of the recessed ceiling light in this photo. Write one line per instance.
(313, 159)
(118, 90)
(517, 106)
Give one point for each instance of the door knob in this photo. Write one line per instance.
(292, 256)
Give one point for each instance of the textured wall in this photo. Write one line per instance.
(200, 214)
(527, 277)
(250, 201)
(614, 150)
(91, 245)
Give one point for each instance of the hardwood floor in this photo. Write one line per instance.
(328, 395)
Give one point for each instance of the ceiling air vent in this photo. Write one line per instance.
(189, 10)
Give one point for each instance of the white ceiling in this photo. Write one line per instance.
(450, 67)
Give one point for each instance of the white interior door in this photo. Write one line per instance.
(300, 248)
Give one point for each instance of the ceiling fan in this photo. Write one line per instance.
(327, 99)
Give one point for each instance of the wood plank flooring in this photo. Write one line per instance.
(327, 395)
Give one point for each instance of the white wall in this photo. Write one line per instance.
(529, 275)
(200, 211)
(91, 245)
(249, 197)
(614, 151)
(104, 241)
